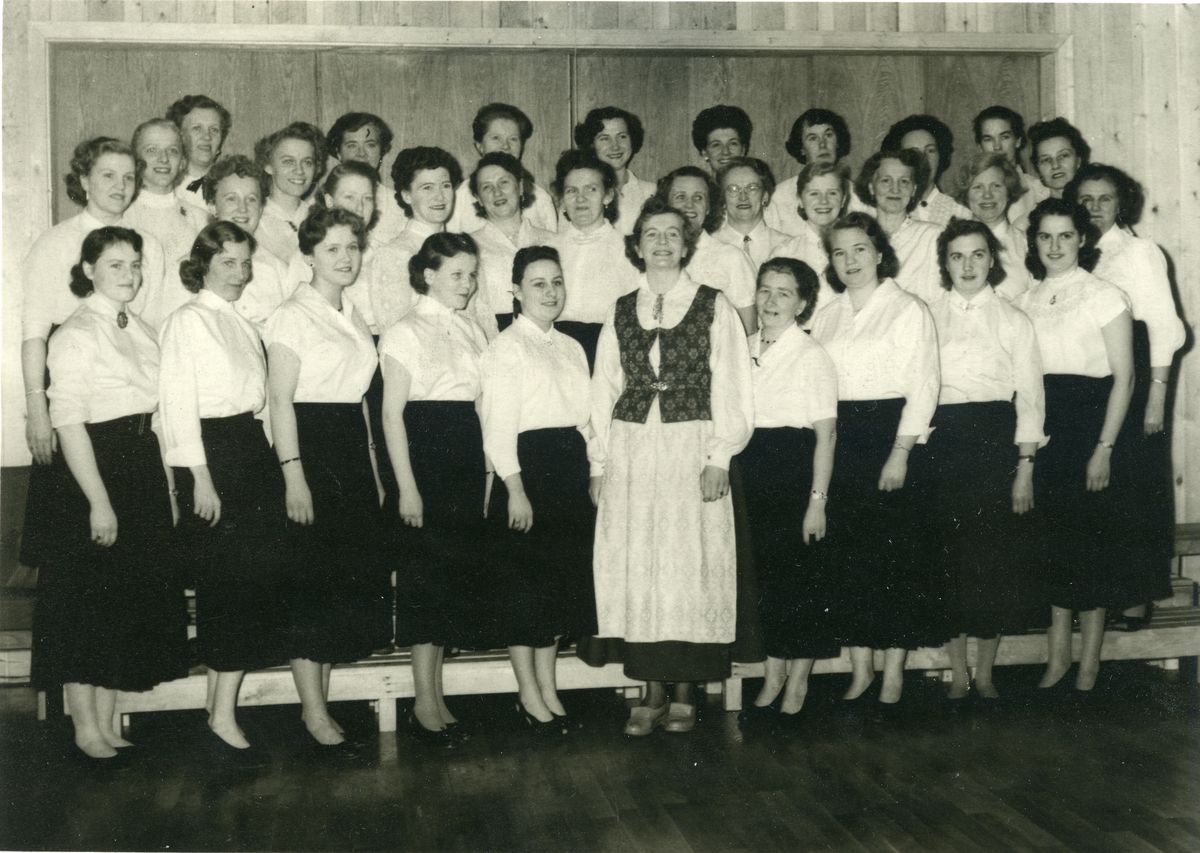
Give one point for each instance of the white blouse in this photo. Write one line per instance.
(1035, 192)
(596, 271)
(939, 208)
(783, 213)
(758, 245)
(795, 381)
(1013, 248)
(725, 268)
(174, 223)
(988, 352)
(731, 395)
(99, 371)
(193, 197)
(213, 366)
(1068, 313)
(887, 350)
(392, 219)
(630, 199)
(265, 291)
(541, 214)
(440, 348)
(496, 253)
(916, 248)
(299, 272)
(1137, 266)
(279, 231)
(47, 275)
(388, 285)
(531, 380)
(337, 355)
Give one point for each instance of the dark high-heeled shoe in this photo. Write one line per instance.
(536, 727)
(1121, 622)
(568, 722)
(444, 739)
(223, 754)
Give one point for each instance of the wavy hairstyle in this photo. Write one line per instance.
(488, 113)
(320, 220)
(436, 250)
(513, 166)
(237, 165)
(593, 123)
(815, 170)
(811, 118)
(716, 207)
(1058, 126)
(1088, 252)
(888, 264)
(808, 284)
(576, 159)
(209, 243)
(936, 128)
(765, 176)
(351, 168)
(963, 228)
(94, 245)
(84, 158)
(179, 110)
(522, 260)
(419, 159)
(653, 207)
(910, 157)
(718, 117)
(264, 149)
(354, 122)
(1131, 198)
(980, 163)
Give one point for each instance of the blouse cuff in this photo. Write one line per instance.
(596, 469)
(718, 459)
(188, 455)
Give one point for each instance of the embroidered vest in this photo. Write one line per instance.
(684, 380)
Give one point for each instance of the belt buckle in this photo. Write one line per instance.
(660, 386)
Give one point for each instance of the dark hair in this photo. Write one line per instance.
(209, 243)
(1088, 253)
(354, 168)
(811, 118)
(1015, 123)
(490, 112)
(716, 210)
(513, 166)
(1131, 198)
(303, 131)
(522, 260)
(963, 228)
(179, 110)
(808, 285)
(758, 166)
(980, 163)
(576, 159)
(1058, 126)
(815, 170)
(888, 264)
(354, 122)
(715, 118)
(436, 249)
(94, 245)
(936, 128)
(235, 165)
(587, 131)
(421, 158)
(156, 122)
(84, 158)
(316, 225)
(654, 206)
(910, 157)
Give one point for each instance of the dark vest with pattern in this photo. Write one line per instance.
(684, 380)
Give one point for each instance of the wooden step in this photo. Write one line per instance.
(1185, 592)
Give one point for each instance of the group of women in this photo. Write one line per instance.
(651, 419)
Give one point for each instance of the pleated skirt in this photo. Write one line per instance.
(239, 563)
(113, 617)
(541, 581)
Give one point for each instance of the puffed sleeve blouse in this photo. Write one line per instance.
(265, 291)
(99, 371)
(279, 231)
(337, 355)
(531, 380)
(1068, 314)
(1138, 267)
(722, 266)
(731, 394)
(889, 349)
(212, 366)
(915, 243)
(795, 381)
(989, 352)
(440, 348)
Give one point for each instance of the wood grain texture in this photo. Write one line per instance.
(769, 16)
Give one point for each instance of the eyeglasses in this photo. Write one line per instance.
(733, 190)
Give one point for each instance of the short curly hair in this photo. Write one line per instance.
(1088, 251)
(209, 243)
(716, 207)
(593, 123)
(888, 264)
(720, 116)
(320, 220)
(1057, 127)
(488, 113)
(513, 166)
(811, 118)
(1131, 197)
(910, 157)
(979, 163)
(84, 158)
(437, 249)
(812, 171)
(808, 283)
(962, 228)
(237, 165)
(936, 128)
(653, 207)
(264, 149)
(351, 168)
(179, 110)
(354, 122)
(575, 159)
(419, 159)
(94, 245)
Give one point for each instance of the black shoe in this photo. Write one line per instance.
(119, 762)
(224, 754)
(1120, 622)
(760, 715)
(568, 722)
(549, 728)
(444, 739)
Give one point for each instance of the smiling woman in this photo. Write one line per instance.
(294, 158)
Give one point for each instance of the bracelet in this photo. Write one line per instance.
(1159, 381)
(371, 445)
(819, 496)
(174, 492)
(899, 446)
(1025, 456)
(43, 391)
(286, 461)
(1106, 444)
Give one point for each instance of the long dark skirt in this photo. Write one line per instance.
(439, 589)
(113, 617)
(1142, 466)
(887, 596)
(982, 542)
(338, 608)
(47, 508)
(795, 586)
(542, 580)
(239, 577)
(1081, 532)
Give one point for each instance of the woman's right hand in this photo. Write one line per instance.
(299, 503)
(207, 503)
(520, 512)
(104, 524)
(412, 508)
(594, 485)
(38, 433)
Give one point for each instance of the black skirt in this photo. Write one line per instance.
(239, 563)
(439, 582)
(390, 518)
(337, 603)
(795, 586)
(588, 335)
(984, 546)
(113, 617)
(886, 595)
(1082, 533)
(540, 583)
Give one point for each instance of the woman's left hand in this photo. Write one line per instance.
(594, 486)
(894, 471)
(1156, 405)
(1099, 468)
(520, 512)
(1022, 492)
(714, 483)
(814, 522)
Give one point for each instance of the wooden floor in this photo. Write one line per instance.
(1118, 770)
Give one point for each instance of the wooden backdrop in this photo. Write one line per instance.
(430, 96)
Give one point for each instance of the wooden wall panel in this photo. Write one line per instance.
(430, 97)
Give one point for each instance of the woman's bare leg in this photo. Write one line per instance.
(527, 683)
(81, 700)
(796, 690)
(960, 680)
(893, 675)
(1091, 635)
(223, 718)
(773, 680)
(862, 665)
(310, 685)
(983, 668)
(1058, 647)
(545, 665)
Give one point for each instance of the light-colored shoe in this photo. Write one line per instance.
(643, 719)
(682, 718)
